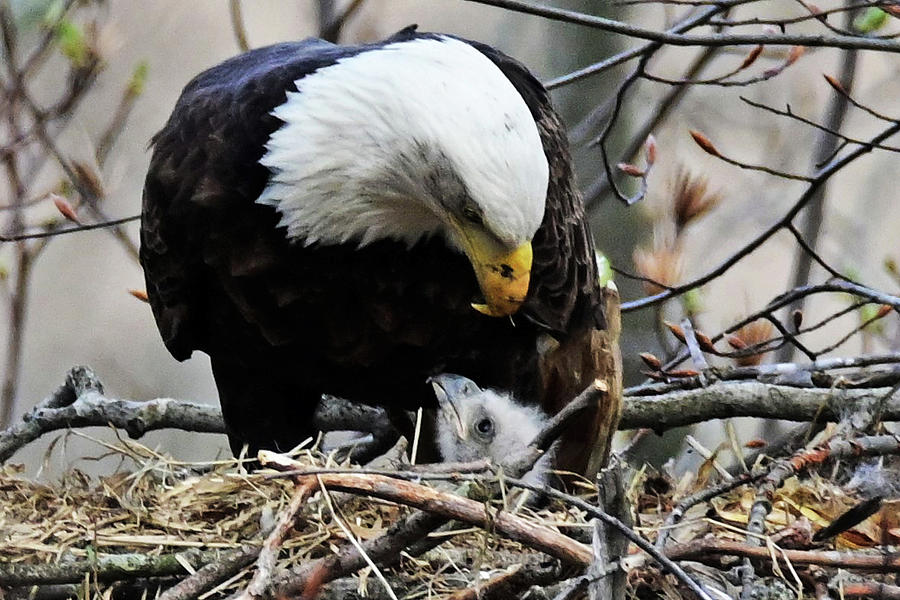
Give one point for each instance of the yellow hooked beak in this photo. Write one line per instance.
(503, 274)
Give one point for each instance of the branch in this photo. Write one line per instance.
(676, 39)
(86, 407)
(749, 399)
(209, 576)
(115, 567)
(448, 505)
(703, 550)
(822, 176)
(56, 232)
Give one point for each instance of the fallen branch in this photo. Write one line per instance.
(868, 590)
(510, 583)
(451, 506)
(111, 567)
(704, 550)
(225, 565)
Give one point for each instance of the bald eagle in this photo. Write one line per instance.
(351, 220)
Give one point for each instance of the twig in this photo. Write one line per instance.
(689, 502)
(676, 39)
(822, 176)
(268, 554)
(346, 531)
(868, 590)
(63, 231)
(226, 565)
(451, 506)
(91, 408)
(111, 567)
(705, 550)
(826, 144)
(508, 584)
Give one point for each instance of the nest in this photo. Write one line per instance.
(140, 530)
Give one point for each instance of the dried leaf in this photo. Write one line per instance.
(660, 266)
(756, 444)
(691, 198)
(750, 335)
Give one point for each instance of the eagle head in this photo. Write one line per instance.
(412, 139)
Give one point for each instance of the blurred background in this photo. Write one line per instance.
(74, 306)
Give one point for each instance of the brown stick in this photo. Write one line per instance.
(704, 550)
(268, 555)
(462, 509)
(210, 575)
(870, 589)
(511, 582)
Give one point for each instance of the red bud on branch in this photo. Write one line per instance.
(834, 83)
(65, 208)
(140, 295)
(795, 53)
(676, 331)
(735, 342)
(650, 150)
(704, 143)
(651, 361)
(752, 56)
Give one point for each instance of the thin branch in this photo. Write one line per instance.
(824, 175)
(705, 550)
(826, 144)
(676, 39)
(66, 230)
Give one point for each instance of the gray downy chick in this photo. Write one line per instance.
(474, 424)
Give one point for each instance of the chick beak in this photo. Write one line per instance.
(450, 391)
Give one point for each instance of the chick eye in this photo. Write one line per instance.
(472, 215)
(484, 426)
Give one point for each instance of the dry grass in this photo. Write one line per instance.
(159, 505)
